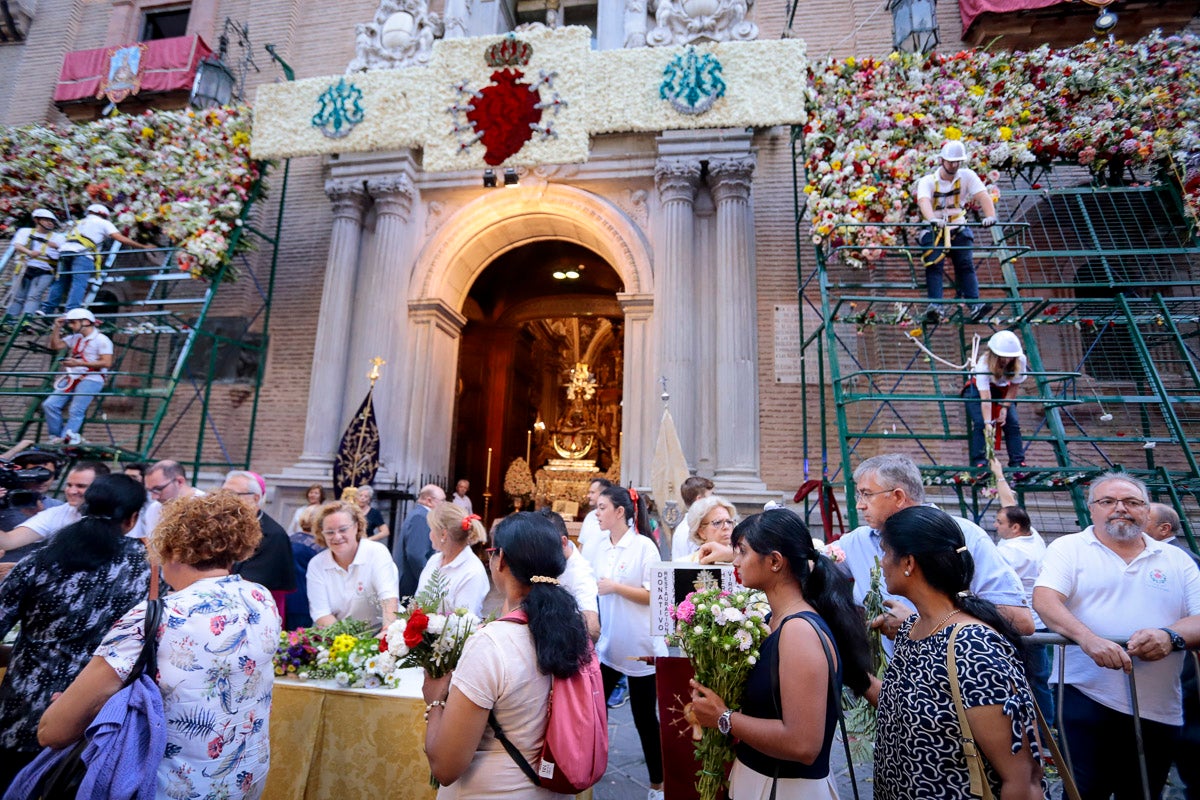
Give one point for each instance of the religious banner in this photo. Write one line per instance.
(534, 97)
(357, 459)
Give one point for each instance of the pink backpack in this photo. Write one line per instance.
(575, 752)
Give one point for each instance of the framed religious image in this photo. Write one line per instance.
(672, 581)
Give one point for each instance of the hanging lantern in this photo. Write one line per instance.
(213, 85)
(914, 25)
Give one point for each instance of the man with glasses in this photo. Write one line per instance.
(166, 481)
(889, 483)
(1112, 581)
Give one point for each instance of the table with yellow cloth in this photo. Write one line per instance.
(333, 742)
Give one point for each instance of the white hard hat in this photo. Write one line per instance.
(1005, 344)
(96, 208)
(953, 150)
(81, 314)
(42, 213)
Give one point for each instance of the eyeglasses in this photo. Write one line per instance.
(157, 489)
(861, 496)
(491, 551)
(342, 531)
(1111, 502)
(718, 523)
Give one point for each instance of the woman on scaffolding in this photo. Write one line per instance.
(992, 387)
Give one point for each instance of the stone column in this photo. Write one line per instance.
(708, 306)
(640, 409)
(675, 293)
(325, 398)
(737, 328)
(435, 329)
(380, 315)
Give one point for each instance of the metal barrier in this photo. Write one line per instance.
(1061, 643)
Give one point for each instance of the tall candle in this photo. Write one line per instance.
(528, 441)
(487, 475)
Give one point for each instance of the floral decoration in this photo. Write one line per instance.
(876, 124)
(181, 178)
(518, 482)
(720, 632)
(426, 636)
(347, 652)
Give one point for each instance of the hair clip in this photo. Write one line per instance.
(466, 523)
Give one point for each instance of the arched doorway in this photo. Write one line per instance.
(540, 370)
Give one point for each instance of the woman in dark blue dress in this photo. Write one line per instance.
(786, 723)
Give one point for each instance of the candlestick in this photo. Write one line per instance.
(528, 442)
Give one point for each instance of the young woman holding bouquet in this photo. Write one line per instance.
(506, 669)
(453, 532)
(622, 560)
(786, 722)
(354, 578)
(925, 559)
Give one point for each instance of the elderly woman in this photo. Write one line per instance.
(303, 518)
(506, 670)
(925, 559)
(453, 532)
(215, 644)
(377, 529)
(66, 596)
(354, 578)
(710, 519)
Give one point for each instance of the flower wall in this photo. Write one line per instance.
(177, 177)
(876, 125)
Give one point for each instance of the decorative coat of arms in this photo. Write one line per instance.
(692, 83)
(124, 77)
(508, 112)
(339, 109)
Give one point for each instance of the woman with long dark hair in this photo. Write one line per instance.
(506, 670)
(622, 559)
(66, 596)
(925, 559)
(786, 723)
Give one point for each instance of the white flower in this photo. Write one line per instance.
(744, 640)
(732, 615)
(342, 678)
(385, 664)
(752, 660)
(397, 647)
(371, 681)
(437, 623)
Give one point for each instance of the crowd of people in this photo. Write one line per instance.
(956, 608)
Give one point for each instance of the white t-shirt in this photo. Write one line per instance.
(1155, 590)
(52, 242)
(498, 671)
(357, 592)
(682, 545)
(462, 501)
(1024, 554)
(466, 581)
(942, 195)
(985, 381)
(49, 522)
(93, 227)
(579, 579)
(589, 529)
(89, 348)
(624, 624)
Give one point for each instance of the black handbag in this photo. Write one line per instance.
(63, 782)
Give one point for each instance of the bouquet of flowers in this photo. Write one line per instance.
(423, 637)
(860, 715)
(720, 632)
(342, 652)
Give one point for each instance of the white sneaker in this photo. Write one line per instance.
(655, 794)
(55, 440)
(71, 438)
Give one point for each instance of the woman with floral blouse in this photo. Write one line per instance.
(215, 644)
(66, 596)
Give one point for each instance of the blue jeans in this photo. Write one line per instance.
(1040, 659)
(28, 290)
(961, 255)
(1012, 431)
(79, 398)
(74, 269)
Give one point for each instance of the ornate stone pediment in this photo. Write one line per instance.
(687, 21)
(401, 35)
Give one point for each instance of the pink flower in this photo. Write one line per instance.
(685, 611)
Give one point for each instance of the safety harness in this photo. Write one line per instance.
(88, 244)
(39, 243)
(943, 201)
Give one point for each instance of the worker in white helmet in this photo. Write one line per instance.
(38, 248)
(942, 197)
(79, 257)
(84, 369)
(993, 385)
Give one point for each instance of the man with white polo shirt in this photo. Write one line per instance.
(577, 577)
(1111, 580)
(888, 483)
(45, 524)
(590, 529)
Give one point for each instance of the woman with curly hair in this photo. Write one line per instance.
(354, 578)
(453, 532)
(215, 644)
(506, 670)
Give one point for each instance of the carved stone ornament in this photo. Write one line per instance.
(679, 22)
(401, 35)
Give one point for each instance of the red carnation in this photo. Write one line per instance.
(383, 645)
(414, 631)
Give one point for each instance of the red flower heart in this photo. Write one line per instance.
(503, 114)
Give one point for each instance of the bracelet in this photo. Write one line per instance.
(432, 706)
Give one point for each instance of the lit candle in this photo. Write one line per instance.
(487, 475)
(528, 442)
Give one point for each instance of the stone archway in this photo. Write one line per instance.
(450, 262)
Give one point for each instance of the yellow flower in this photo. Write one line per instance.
(147, 133)
(850, 61)
(976, 90)
(898, 117)
(1025, 115)
(1005, 133)
(953, 132)
(240, 138)
(835, 166)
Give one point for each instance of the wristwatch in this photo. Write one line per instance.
(725, 725)
(1177, 641)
